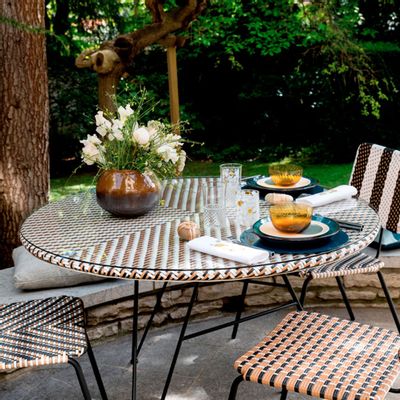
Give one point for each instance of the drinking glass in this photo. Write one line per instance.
(214, 205)
(231, 175)
(248, 207)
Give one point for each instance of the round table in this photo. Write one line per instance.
(75, 233)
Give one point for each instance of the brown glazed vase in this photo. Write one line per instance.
(127, 193)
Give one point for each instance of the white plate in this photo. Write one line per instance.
(315, 229)
(267, 183)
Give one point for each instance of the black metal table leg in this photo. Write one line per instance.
(239, 311)
(304, 289)
(345, 298)
(134, 338)
(180, 340)
(389, 300)
(295, 299)
(154, 312)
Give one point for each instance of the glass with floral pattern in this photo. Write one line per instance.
(231, 175)
(248, 207)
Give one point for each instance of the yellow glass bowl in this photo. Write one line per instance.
(291, 217)
(285, 174)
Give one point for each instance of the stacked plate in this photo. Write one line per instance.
(265, 184)
(321, 235)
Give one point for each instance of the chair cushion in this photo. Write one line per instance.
(325, 357)
(41, 332)
(32, 273)
(360, 263)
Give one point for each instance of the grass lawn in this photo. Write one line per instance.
(329, 175)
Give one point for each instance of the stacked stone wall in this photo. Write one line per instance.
(223, 298)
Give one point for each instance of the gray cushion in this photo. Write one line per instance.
(32, 273)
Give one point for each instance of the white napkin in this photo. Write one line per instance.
(231, 251)
(343, 192)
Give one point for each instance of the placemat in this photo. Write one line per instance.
(249, 238)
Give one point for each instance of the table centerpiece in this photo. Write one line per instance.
(132, 156)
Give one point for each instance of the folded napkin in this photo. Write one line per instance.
(231, 251)
(343, 192)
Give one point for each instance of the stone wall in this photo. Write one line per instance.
(216, 300)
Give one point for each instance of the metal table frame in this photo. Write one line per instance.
(295, 302)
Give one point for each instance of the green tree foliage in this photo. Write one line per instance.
(323, 33)
(247, 64)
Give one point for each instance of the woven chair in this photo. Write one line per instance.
(323, 357)
(45, 332)
(376, 175)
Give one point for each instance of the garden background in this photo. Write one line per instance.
(259, 80)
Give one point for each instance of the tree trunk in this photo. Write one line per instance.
(24, 115)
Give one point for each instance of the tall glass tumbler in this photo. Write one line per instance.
(213, 205)
(231, 175)
(248, 207)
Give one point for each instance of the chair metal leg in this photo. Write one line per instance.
(283, 394)
(96, 371)
(241, 307)
(289, 287)
(304, 289)
(154, 312)
(234, 387)
(389, 300)
(180, 340)
(81, 378)
(345, 298)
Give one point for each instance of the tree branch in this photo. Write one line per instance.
(115, 56)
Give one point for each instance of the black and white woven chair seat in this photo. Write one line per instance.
(41, 332)
(325, 357)
(45, 332)
(360, 263)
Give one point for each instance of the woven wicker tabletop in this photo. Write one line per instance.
(76, 233)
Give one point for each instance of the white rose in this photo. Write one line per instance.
(173, 140)
(168, 153)
(124, 113)
(141, 136)
(93, 139)
(90, 152)
(104, 128)
(116, 131)
(99, 117)
(154, 127)
(181, 162)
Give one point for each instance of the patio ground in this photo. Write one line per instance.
(204, 370)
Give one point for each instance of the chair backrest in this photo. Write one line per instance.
(376, 175)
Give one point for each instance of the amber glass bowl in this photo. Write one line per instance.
(285, 174)
(291, 217)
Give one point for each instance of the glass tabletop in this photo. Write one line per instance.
(76, 233)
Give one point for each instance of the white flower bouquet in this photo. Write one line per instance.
(124, 143)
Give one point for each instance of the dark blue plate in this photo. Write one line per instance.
(333, 229)
(249, 238)
(252, 183)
